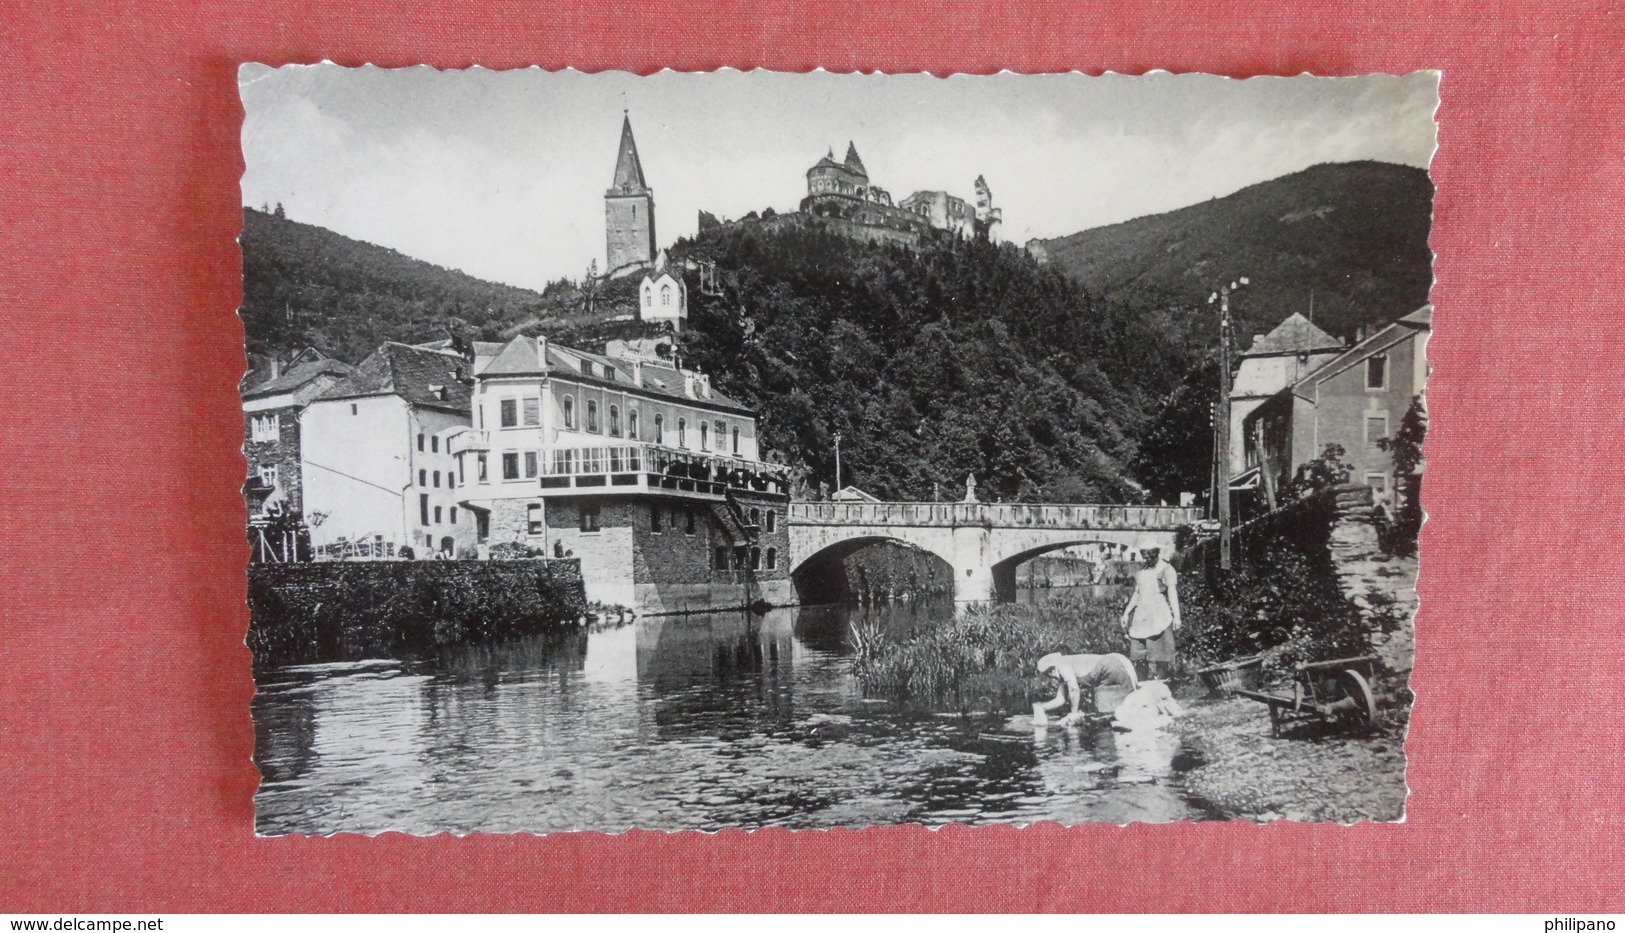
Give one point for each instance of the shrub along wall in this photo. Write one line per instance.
(345, 611)
(1281, 596)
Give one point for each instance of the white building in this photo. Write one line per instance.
(1293, 350)
(642, 470)
(662, 296)
(377, 466)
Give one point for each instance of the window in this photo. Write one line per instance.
(720, 558)
(586, 367)
(532, 464)
(592, 459)
(266, 427)
(481, 409)
(1376, 428)
(480, 472)
(615, 420)
(756, 558)
(589, 518)
(1376, 372)
(1378, 482)
(454, 515)
(569, 406)
(660, 429)
(510, 465)
(682, 432)
(462, 470)
(772, 516)
(563, 462)
(451, 480)
(353, 409)
(632, 424)
(510, 413)
(654, 519)
(423, 477)
(420, 440)
(437, 479)
(736, 440)
(533, 519)
(705, 436)
(592, 416)
(482, 526)
(722, 434)
(532, 411)
(648, 297)
(755, 516)
(772, 558)
(692, 525)
(609, 373)
(268, 475)
(437, 515)
(665, 296)
(434, 444)
(423, 509)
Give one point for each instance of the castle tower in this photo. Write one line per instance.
(988, 217)
(629, 212)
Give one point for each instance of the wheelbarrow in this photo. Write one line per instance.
(1334, 690)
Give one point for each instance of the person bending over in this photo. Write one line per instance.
(1075, 673)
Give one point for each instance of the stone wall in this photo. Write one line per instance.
(283, 453)
(347, 611)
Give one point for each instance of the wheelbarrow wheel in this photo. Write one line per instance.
(1356, 688)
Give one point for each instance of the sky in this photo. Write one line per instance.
(502, 173)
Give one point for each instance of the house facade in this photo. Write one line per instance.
(1354, 401)
(274, 395)
(640, 469)
(378, 470)
(1293, 350)
(662, 296)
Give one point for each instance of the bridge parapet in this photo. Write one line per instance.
(992, 515)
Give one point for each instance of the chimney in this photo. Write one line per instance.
(276, 365)
(637, 372)
(688, 383)
(541, 352)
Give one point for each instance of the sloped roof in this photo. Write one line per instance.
(1421, 317)
(295, 377)
(1398, 331)
(1293, 335)
(411, 373)
(852, 160)
(519, 358)
(628, 167)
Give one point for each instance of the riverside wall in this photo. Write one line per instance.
(305, 613)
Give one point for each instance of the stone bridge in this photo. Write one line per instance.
(982, 542)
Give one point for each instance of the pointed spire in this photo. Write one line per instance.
(628, 169)
(852, 160)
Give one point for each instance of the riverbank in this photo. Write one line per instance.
(1312, 773)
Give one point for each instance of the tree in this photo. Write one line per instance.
(1176, 452)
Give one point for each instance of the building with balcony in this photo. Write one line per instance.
(641, 469)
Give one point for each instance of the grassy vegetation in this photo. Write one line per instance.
(984, 659)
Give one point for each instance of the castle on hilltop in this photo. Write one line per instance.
(842, 190)
(629, 212)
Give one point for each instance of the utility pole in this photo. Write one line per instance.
(1222, 492)
(837, 461)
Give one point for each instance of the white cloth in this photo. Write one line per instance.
(1152, 706)
(1156, 600)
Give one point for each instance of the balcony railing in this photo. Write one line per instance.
(652, 467)
(997, 515)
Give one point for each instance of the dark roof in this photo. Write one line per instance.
(519, 358)
(1398, 331)
(628, 168)
(411, 373)
(852, 159)
(294, 377)
(1293, 335)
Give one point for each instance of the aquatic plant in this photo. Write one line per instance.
(984, 659)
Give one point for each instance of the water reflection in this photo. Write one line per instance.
(698, 722)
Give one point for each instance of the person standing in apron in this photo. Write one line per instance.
(1152, 616)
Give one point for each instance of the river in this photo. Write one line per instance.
(696, 722)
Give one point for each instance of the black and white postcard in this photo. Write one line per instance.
(731, 450)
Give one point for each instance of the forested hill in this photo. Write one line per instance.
(955, 358)
(1354, 234)
(308, 286)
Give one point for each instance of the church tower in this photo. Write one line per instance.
(629, 212)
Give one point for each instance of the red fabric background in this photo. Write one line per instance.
(125, 780)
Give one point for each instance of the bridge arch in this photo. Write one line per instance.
(1005, 561)
(819, 576)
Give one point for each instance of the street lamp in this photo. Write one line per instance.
(1222, 452)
